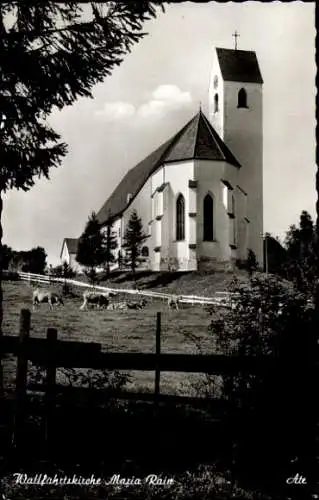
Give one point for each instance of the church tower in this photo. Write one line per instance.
(235, 111)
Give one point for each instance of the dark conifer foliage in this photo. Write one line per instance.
(91, 247)
(133, 240)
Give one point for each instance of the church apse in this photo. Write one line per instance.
(212, 219)
(181, 203)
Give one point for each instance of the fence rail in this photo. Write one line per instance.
(221, 298)
(51, 353)
(89, 355)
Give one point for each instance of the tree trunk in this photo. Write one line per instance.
(1, 299)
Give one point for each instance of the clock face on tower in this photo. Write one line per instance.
(215, 81)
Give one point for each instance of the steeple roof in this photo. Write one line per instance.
(196, 140)
(239, 65)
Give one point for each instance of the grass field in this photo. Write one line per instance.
(195, 448)
(119, 331)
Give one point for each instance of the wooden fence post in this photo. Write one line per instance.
(158, 354)
(52, 336)
(21, 374)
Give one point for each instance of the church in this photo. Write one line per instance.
(200, 194)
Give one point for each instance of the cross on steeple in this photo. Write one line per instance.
(236, 35)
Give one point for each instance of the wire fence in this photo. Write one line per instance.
(219, 299)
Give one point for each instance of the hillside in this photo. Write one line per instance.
(188, 283)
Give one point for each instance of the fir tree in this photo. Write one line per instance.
(91, 247)
(251, 262)
(67, 273)
(133, 240)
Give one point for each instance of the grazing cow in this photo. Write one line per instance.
(137, 305)
(173, 302)
(42, 296)
(118, 306)
(96, 299)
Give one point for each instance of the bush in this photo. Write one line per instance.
(10, 276)
(112, 382)
(269, 318)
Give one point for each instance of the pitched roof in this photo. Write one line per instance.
(239, 65)
(71, 244)
(196, 140)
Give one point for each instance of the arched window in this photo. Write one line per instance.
(215, 103)
(180, 218)
(145, 252)
(208, 218)
(242, 99)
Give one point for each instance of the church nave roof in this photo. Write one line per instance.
(196, 140)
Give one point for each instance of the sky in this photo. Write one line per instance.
(155, 91)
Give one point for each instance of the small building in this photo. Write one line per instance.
(68, 253)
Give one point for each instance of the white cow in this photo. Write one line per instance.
(42, 296)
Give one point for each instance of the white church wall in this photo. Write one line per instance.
(157, 179)
(158, 233)
(165, 224)
(156, 261)
(192, 200)
(236, 207)
(209, 175)
(241, 223)
(192, 230)
(178, 175)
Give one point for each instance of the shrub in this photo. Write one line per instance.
(10, 276)
(268, 318)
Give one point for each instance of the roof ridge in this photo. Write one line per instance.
(198, 116)
(177, 136)
(235, 50)
(210, 128)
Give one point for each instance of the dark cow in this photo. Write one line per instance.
(96, 299)
(137, 305)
